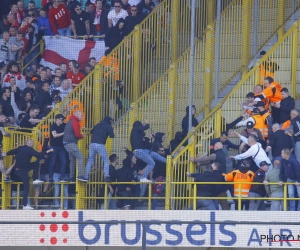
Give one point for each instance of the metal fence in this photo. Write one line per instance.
(286, 54)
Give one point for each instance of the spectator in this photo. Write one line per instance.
(21, 8)
(65, 89)
(60, 19)
(250, 129)
(268, 121)
(30, 120)
(290, 170)
(274, 191)
(141, 151)
(56, 84)
(100, 133)
(23, 107)
(115, 14)
(43, 79)
(205, 190)
(278, 141)
(15, 11)
(75, 75)
(29, 75)
(12, 70)
(5, 102)
(224, 140)
(132, 20)
(16, 45)
(48, 73)
(64, 69)
(57, 187)
(70, 140)
(175, 142)
(185, 121)
(100, 21)
(87, 69)
(295, 121)
(125, 174)
(23, 157)
(4, 47)
(255, 151)
(12, 83)
(257, 190)
(43, 99)
(145, 7)
(239, 176)
(31, 6)
(57, 72)
(56, 142)
(126, 6)
(71, 5)
(159, 175)
(115, 35)
(11, 18)
(44, 24)
(285, 106)
(5, 25)
(13, 31)
(92, 62)
(114, 162)
(80, 23)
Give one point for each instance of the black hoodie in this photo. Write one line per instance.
(206, 190)
(115, 35)
(185, 122)
(157, 144)
(102, 130)
(137, 135)
(175, 142)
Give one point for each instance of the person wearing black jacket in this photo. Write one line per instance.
(141, 151)
(295, 122)
(133, 20)
(290, 170)
(144, 7)
(43, 98)
(205, 190)
(100, 133)
(256, 190)
(221, 190)
(115, 35)
(175, 142)
(158, 140)
(278, 141)
(23, 166)
(185, 121)
(99, 26)
(285, 106)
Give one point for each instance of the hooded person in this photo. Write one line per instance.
(100, 133)
(139, 150)
(115, 35)
(158, 140)
(185, 121)
(175, 142)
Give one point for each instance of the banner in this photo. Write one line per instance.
(177, 233)
(64, 49)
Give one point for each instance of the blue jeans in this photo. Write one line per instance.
(64, 31)
(204, 205)
(93, 150)
(291, 191)
(62, 154)
(56, 177)
(111, 203)
(148, 157)
(15, 202)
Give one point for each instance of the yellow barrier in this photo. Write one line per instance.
(285, 53)
(40, 45)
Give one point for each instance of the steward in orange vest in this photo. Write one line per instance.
(267, 119)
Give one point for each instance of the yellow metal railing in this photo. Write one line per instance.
(286, 54)
(40, 46)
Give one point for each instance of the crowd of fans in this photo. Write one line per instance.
(269, 148)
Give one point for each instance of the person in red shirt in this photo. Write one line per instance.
(13, 21)
(44, 2)
(75, 75)
(15, 11)
(21, 8)
(60, 19)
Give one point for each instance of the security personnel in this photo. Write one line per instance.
(241, 175)
(267, 121)
(267, 68)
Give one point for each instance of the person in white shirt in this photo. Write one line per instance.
(65, 88)
(251, 99)
(255, 151)
(115, 14)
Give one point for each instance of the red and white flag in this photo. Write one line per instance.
(64, 49)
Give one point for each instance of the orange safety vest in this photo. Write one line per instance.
(286, 125)
(265, 101)
(273, 97)
(111, 65)
(267, 68)
(238, 176)
(260, 124)
(75, 105)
